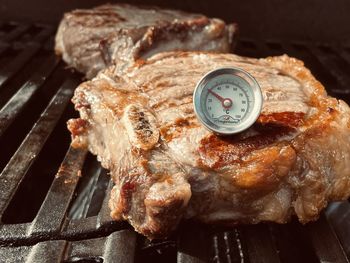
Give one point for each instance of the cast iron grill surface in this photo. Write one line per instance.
(54, 199)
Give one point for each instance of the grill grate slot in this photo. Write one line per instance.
(191, 250)
(17, 103)
(51, 215)
(324, 242)
(3, 48)
(301, 51)
(86, 188)
(99, 193)
(18, 130)
(103, 217)
(336, 66)
(91, 190)
(15, 32)
(17, 63)
(228, 247)
(19, 164)
(339, 214)
(73, 223)
(260, 246)
(345, 54)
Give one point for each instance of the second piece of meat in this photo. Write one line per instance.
(92, 39)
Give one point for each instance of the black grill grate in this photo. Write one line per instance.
(65, 217)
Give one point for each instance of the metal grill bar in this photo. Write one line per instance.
(117, 247)
(345, 55)
(103, 216)
(18, 102)
(260, 244)
(339, 214)
(18, 62)
(50, 221)
(302, 51)
(329, 59)
(325, 242)
(3, 48)
(225, 246)
(44, 33)
(46, 252)
(83, 201)
(19, 164)
(85, 227)
(17, 31)
(100, 192)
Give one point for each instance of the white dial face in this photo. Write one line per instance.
(227, 100)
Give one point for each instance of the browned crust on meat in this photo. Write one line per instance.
(217, 152)
(288, 119)
(165, 30)
(78, 127)
(282, 151)
(174, 130)
(265, 168)
(296, 68)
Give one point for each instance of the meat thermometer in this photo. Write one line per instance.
(227, 100)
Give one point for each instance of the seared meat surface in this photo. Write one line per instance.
(166, 166)
(92, 39)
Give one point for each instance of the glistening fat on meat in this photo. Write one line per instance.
(140, 123)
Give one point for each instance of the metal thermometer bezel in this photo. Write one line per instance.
(237, 72)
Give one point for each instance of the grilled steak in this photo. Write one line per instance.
(90, 40)
(166, 166)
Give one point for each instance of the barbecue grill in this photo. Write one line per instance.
(54, 199)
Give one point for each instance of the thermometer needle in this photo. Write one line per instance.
(226, 102)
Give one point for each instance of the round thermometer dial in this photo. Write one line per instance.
(227, 100)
